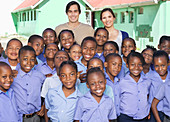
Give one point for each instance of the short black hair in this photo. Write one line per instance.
(89, 38)
(71, 63)
(148, 47)
(101, 28)
(4, 64)
(94, 70)
(33, 38)
(112, 43)
(72, 3)
(61, 51)
(135, 54)
(163, 38)
(107, 9)
(65, 30)
(111, 55)
(161, 53)
(95, 58)
(50, 29)
(26, 48)
(74, 45)
(13, 40)
(131, 39)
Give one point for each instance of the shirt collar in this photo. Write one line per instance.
(141, 79)
(79, 61)
(116, 79)
(22, 73)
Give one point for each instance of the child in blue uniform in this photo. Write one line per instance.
(8, 106)
(162, 75)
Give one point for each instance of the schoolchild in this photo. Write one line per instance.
(49, 36)
(61, 101)
(37, 42)
(8, 106)
(148, 56)
(113, 66)
(66, 39)
(164, 44)
(54, 81)
(95, 106)
(88, 48)
(128, 44)
(27, 86)
(134, 91)
(101, 35)
(11, 51)
(95, 62)
(110, 47)
(47, 67)
(75, 52)
(160, 76)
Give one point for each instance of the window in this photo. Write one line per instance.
(131, 17)
(115, 18)
(24, 16)
(31, 15)
(122, 17)
(140, 10)
(28, 15)
(35, 14)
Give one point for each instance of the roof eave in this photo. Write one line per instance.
(91, 7)
(128, 5)
(27, 8)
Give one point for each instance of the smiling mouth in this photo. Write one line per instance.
(99, 91)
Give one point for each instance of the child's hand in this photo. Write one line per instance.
(41, 112)
(15, 73)
(83, 78)
(48, 75)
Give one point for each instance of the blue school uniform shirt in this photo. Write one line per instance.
(6, 61)
(41, 56)
(155, 84)
(125, 69)
(45, 69)
(163, 94)
(27, 89)
(100, 56)
(115, 89)
(80, 65)
(60, 108)
(8, 107)
(134, 97)
(148, 74)
(89, 110)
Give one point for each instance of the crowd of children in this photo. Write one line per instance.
(56, 79)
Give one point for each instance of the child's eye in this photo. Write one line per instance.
(114, 64)
(4, 77)
(62, 76)
(33, 60)
(25, 59)
(92, 84)
(100, 82)
(71, 74)
(37, 45)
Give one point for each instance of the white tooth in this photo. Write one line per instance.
(98, 91)
(67, 44)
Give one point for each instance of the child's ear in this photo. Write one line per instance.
(44, 55)
(117, 52)
(78, 75)
(158, 46)
(87, 85)
(6, 52)
(105, 64)
(29, 44)
(18, 59)
(127, 65)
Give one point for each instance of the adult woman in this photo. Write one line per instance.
(107, 17)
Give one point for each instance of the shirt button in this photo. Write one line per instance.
(138, 109)
(138, 91)
(115, 94)
(139, 100)
(27, 84)
(27, 94)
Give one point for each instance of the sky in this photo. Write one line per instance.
(6, 22)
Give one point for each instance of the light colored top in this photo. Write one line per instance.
(89, 110)
(61, 108)
(80, 32)
(81, 66)
(134, 97)
(119, 41)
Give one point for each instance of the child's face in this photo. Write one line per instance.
(165, 46)
(101, 37)
(96, 63)
(88, 50)
(66, 40)
(49, 37)
(50, 51)
(161, 65)
(68, 76)
(27, 60)
(97, 84)
(6, 78)
(38, 46)
(13, 49)
(75, 52)
(109, 48)
(59, 58)
(135, 67)
(148, 56)
(113, 66)
(127, 47)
